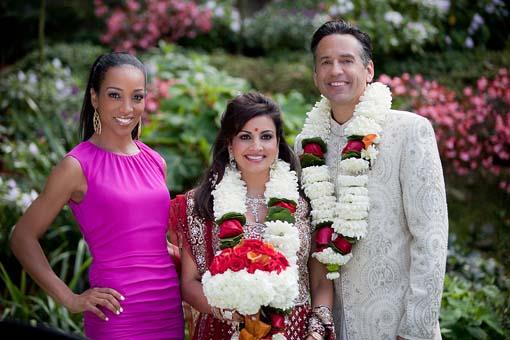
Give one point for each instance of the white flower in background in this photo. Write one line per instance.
(59, 84)
(394, 18)
(320, 18)
(21, 76)
(476, 22)
(26, 199)
(210, 4)
(11, 183)
(56, 63)
(151, 67)
(441, 6)
(469, 42)
(7, 148)
(13, 194)
(496, 7)
(32, 78)
(418, 31)
(341, 7)
(448, 40)
(33, 149)
(235, 24)
(393, 41)
(219, 12)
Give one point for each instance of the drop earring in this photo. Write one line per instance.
(96, 122)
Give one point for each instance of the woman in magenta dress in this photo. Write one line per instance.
(115, 186)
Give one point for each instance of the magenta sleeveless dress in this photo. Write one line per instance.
(124, 218)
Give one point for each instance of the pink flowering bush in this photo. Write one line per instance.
(472, 129)
(157, 91)
(139, 24)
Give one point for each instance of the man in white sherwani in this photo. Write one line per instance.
(391, 287)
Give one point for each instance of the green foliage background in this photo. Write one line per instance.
(39, 108)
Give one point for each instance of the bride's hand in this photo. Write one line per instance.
(227, 314)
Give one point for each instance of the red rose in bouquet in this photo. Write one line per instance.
(220, 263)
(250, 255)
(237, 263)
(278, 263)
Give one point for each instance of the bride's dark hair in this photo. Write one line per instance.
(239, 111)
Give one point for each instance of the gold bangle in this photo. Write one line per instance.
(316, 336)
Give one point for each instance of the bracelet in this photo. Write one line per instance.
(216, 312)
(316, 326)
(316, 335)
(324, 314)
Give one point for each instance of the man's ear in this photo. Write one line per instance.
(370, 71)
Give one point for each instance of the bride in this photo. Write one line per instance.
(251, 145)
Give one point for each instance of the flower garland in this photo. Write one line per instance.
(341, 223)
(248, 274)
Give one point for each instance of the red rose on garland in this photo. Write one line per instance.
(230, 228)
(342, 245)
(291, 207)
(314, 149)
(353, 146)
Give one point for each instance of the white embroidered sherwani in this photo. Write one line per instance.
(393, 284)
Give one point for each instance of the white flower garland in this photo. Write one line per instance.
(241, 290)
(350, 214)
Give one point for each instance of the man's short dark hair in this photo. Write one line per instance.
(343, 27)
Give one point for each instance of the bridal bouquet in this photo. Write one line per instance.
(249, 274)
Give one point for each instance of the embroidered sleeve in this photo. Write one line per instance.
(303, 225)
(198, 236)
(177, 221)
(424, 199)
(189, 231)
